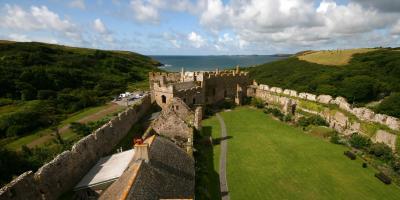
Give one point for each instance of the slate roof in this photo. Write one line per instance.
(169, 174)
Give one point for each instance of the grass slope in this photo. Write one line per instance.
(268, 159)
(332, 57)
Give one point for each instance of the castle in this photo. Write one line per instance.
(163, 166)
(198, 88)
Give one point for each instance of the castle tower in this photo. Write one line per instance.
(237, 69)
(217, 71)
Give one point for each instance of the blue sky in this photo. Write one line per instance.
(204, 27)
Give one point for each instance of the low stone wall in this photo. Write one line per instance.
(338, 119)
(63, 172)
(362, 113)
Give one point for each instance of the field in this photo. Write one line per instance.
(268, 159)
(83, 116)
(332, 57)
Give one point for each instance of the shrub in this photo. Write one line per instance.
(364, 165)
(303, 121)
(46, 94)
(396, 165)
(80, 129)
(5, 101)
(317, 120)
(246, 100)
(385, 179)
(358, 141)
(335, 139)
(257, 102)
(228, 104)
(287, 118)
(350, 154)
(381, 151)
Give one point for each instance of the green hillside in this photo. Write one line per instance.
(65, 79)
(368, 77)
(45, 86)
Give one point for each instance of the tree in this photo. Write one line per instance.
(390, 105)
(359, 88)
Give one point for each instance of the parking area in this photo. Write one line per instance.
(129, 98)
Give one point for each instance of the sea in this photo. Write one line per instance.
(210, 63)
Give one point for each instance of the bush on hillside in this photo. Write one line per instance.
(228, 104)
(317, 120)
(275, 112)
(79, 128)
(381, 151)
(358, 141)
(257, 102)
(390, 105)
(335, 139)
(312, 120)
(303, 122)
(288, 118)
(396, 165)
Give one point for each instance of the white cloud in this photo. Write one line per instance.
(293, 23)
(351, 18)
(196, 40)
(25, 38)
(37, 18)
(99, 26)
(395, 30)
(78, 4)
(144, 11)
(19, 37)
(102, 30)
(175, 43)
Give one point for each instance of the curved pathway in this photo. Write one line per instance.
(222, 160)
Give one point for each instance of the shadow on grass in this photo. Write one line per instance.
(207, 179)
(217, 141)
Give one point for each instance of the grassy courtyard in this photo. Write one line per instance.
(268, 159)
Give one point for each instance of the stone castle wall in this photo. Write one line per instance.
(338, 119)
(63, 172)
(212, 87)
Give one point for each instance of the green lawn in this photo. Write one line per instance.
(268, 159)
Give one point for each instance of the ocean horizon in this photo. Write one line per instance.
(175, 63)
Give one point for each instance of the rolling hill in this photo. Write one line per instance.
(369, 76)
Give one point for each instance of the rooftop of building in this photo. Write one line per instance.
(168, 174)
(106, 171)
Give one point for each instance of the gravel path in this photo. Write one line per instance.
(222, 160)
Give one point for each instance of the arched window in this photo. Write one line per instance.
(194, 100)
(213, 91)
(163, 99)
(225, 93)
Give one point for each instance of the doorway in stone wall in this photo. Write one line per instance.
(163, 99)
